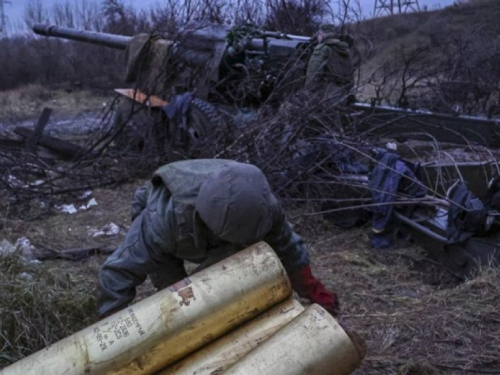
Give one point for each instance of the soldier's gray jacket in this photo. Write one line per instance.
(165, 227)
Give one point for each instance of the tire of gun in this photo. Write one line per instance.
(203, 119)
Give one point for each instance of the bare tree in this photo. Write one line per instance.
(295, 16)
(35, 12)
(348, 12)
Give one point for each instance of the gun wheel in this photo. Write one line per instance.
(141, 130)
(203, 120)
(132, 127)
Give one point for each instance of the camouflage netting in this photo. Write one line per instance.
(149, 73)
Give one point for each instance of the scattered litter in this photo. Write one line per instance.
(26, 276)
(92, 203)
(26, 248)
(85, 195)
(68, 208)
(391, 146)
(110, 229)
(6, 248)
(14, 181)
(71, 209)
(22, 245)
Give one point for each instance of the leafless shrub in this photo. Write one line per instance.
(447, 69)
(296, 16)
(274, 142)
(123, 19)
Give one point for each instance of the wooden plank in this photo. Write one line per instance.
(65, 148)
(11, 144)
(43, 120)
(44, 253)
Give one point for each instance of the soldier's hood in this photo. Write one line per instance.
(236, 204)
(340, 46)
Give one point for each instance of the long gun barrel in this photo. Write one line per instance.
(194, 46)
(93, 37)
(116, 41)
(203, 39)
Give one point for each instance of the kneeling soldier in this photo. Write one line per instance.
(202, 211)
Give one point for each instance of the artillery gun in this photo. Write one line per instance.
(191, 83)
(217, 70)
(230, 70)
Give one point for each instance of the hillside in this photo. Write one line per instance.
(445, 60)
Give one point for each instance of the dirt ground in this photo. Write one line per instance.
(62, 231)
(415, 318)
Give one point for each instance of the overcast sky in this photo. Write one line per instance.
(14, 8)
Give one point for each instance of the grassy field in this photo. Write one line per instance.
(28, 102)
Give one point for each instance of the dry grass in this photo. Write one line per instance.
(28, 102)
(55, 230)
(422, 47)
(415, 317)
(40, 304)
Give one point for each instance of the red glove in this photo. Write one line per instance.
(307, 286)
